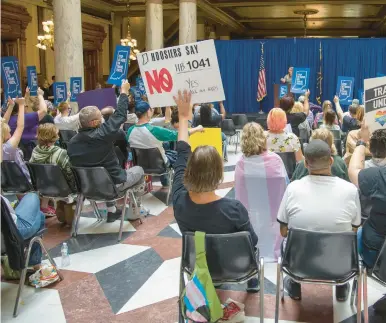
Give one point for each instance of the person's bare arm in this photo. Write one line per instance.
(196, 129)
(184, 114)
(68, 96)
(223, 113)
(10, 106)
(283, 230)
(42, 104)
(306, 104)
(15, 139)
(357, 162)
(338, 108)
(299, 155)
(168, 114)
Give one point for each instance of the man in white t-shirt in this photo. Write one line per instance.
(64, 121)
(319, 202)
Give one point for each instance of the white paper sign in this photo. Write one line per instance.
(375, 103)
(193, 67)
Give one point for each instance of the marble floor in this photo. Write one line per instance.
(137, 280)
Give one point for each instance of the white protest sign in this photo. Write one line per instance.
(375, 103)
(193, 67)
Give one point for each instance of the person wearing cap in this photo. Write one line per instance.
(319, 202)
(93, 146)
(144, 135)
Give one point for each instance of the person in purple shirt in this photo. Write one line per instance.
(10, 143)
(31, 119)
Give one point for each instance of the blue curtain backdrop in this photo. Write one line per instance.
(239, 65)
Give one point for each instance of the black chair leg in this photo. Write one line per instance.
(278, 289)
(78, 211)
(23, 275)
(123, 216)
(261, 277)
(182, 287)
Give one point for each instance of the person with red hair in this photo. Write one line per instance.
(279, 139)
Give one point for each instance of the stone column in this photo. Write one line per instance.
(200, 29)
(188, 21)
(154, 25)
(68, 40)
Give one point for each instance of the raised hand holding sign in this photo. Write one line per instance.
(120, 65)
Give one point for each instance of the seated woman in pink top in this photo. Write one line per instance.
(260, 183)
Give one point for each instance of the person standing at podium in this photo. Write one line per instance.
(287, 79)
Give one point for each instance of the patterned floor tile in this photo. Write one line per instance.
(121, 281)
(162, 285)
(170, 232)
(96, 260)
(37, 305)
(86, 242)
(91, 226)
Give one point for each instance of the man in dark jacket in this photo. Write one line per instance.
(93, 146)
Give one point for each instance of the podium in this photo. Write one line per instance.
(276, 93)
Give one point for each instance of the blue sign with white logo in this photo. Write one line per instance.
(75, 87)
(60, 92)
(136, 93)
(120, 65)
(300, 80)
(345, 89)
(140, 85)
(32, 79)
(10, 76)
(361, 96)
(283, 90)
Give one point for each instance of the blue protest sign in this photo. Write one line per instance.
(283, 90)
(136, 93)
(60, 92)
(140, 85)
(10, 76)
(120, 65)
(300, 80)
(75, 87)
(345, 89)
(361, 96)
(380, 74)
(32, 79)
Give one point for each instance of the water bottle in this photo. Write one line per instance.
(65, 255)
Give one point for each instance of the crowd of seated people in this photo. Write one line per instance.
(265, 198)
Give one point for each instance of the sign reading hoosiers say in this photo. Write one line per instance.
(193, 67)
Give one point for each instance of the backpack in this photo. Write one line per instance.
(199, 301)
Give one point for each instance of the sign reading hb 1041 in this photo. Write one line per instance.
(192, 66)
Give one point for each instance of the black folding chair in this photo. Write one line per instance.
(231, 259)
(96, 184)
(336, 134)
(289, 161)
(27, 252)
(228, 128)
(65, 137)
(378, 273)
(13, 180)
(153, 164)
(338, 146)
(240, 120)
(49, 180)
(320, 258)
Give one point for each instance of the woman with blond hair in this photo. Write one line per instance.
(260, 183)
(279, 139)
(338, 168)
